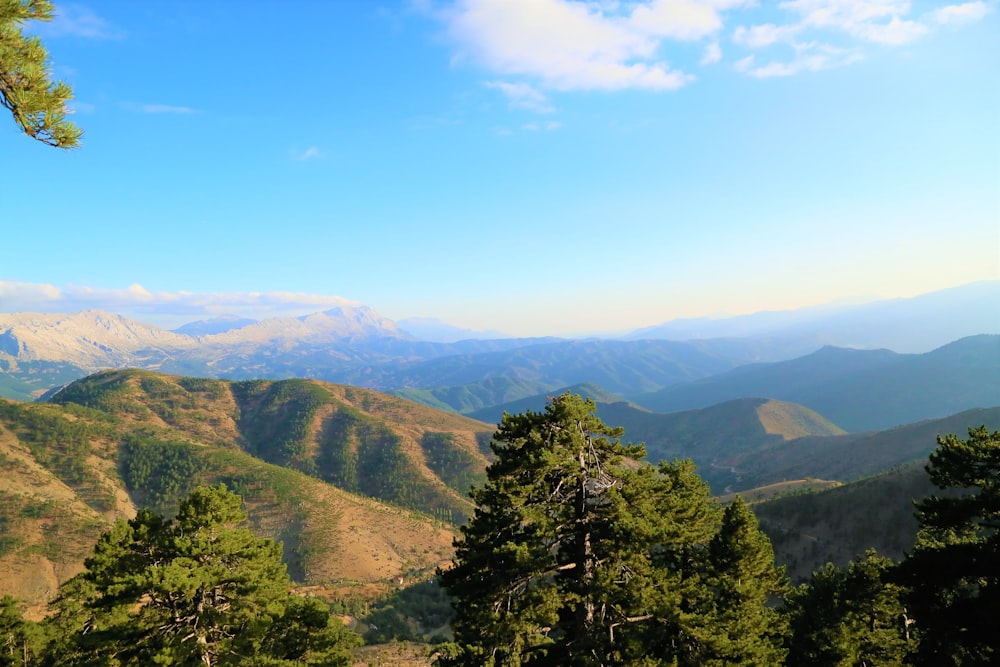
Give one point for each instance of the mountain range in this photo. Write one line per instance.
(353, 344)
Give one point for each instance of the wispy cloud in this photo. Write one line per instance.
(760, 36)
(807, 58)
(165, 108)
(164, 308)
(712, 54)
(311, 153)
(956, 14)
(158, 108)
(72, 20)
(824, 34)
(522, 96)
(76, 106)
(537, 127)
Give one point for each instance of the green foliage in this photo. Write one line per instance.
(840, 524)
(62, 445)
(37, 104)
(156, 473)
(21, 641)
(577, 557)
(200, 589)
(275, 419)
(954, 569)
(743, 630)
(107, 391)
(363, 455)
(337, 460)
(847, 617)
(456, 467)
(413, 613)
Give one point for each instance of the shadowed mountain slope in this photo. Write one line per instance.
(852, 456)
(857, 389)
(839, 524)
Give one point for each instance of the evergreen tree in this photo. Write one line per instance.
(849, 617)
(198, 590)
(953, 572)
(743, 629)
(578, 555)
(20, 640)
(37, 104)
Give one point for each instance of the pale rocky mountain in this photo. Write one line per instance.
(91, 339)
(342, 322)
(95, 340)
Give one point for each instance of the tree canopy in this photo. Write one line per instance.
(953, 572)
(579, 555)
(37, 104)
(200, 589)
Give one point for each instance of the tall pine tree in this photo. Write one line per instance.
(953, 572)
(579, 555)
(743, 629)
(198, 590)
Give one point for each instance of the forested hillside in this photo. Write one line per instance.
(315, 463)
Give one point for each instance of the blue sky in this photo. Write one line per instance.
(532, 166)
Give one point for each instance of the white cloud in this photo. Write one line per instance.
(895, 32)
(75, 21)
(760, 36)
(164, 308)
(522, 96)
(956, 14)
(712, 55)
(19, 296)
(76, 106)
(681, 19)
(311, 153)
(563, 44)
(845, 13)
(809, 57)
(879, 21)
(540, 46)
(536, 127)
(158, 108)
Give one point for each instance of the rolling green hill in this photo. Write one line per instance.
(714, 435)
(852, 456)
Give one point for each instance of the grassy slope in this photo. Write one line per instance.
(853, 456)
(712, 435)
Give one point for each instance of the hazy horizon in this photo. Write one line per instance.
(173, 310)
(536, 167)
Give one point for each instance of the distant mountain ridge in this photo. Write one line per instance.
(857, 389)
(353, 344)
(909, 325)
